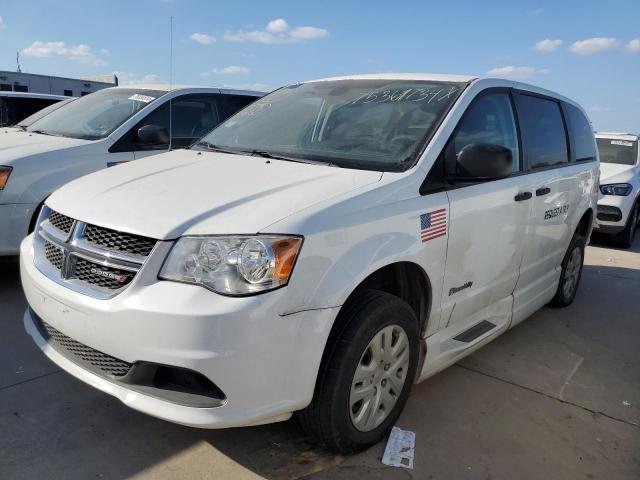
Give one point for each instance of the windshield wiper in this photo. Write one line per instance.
(276, 156)
(42, 132)
(215, 148)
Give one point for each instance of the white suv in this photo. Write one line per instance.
(318, 252)
(619, 206)
(99, 130)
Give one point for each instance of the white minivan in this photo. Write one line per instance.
(318, 252)
(618, 212)
(103, 129)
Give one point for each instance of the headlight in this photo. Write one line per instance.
(619, 189)
(233, 265)
(4, 176)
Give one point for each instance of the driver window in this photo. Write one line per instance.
(490, 119)
(192, 116)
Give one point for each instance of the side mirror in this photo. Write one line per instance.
(484, 161)
(153, 135)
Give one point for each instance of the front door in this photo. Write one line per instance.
(488, 222)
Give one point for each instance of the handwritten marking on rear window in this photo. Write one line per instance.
(427, 95)
(142, 98)
(622, 142)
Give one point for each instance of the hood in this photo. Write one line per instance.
(615, 173)
(189, 192)
(16, 144)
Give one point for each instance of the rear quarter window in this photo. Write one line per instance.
(582, 133)
(543, 132)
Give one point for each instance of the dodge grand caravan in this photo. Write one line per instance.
(99, 130)
(319, 252)
(618, 212)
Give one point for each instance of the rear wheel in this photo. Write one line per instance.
(366, 375)
(571, 272)
(625, 238)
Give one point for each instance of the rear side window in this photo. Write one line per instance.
(230, 104)
(582, 133)
(544, 136)
(489, 120)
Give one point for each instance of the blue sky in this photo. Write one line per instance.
(590, 50)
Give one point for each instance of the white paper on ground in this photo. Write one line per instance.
(400, 448)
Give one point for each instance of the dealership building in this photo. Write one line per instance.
(70, 87)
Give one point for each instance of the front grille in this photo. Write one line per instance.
(61, 222)
(80, 353)
(106, 277)
(53, 254)
(89, 259)
(122, 242)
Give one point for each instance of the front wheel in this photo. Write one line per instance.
(571, 273)
(366, 375)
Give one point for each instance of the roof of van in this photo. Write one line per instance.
(166, 88)
(47, 96)
(617, 135)
(438, 77)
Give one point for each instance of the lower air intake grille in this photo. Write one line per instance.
(80, 353)
(101, 276)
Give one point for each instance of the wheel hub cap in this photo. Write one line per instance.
(379, 378)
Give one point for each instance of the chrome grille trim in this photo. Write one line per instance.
(111, 265)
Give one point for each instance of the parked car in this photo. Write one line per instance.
(103, 129)
(16, 106)
(318, 252)
(23, 124)
(619, 205)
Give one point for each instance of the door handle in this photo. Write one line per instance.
(523, 196)
(542, 191)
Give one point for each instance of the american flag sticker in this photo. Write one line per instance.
(433, 224)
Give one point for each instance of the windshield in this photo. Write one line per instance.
(624, 152)
(366, 124)
(96, 115)
(41, 113)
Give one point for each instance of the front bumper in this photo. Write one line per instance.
(265, 363)
(14, 225)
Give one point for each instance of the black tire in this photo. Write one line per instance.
(564, 298)
(625, 238)
(328, 417)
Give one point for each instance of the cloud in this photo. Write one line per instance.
(591, 46)
(203, 38)
(514, 72)
(78, 53)
(277, 31)
(634, 45)
(128, 78)
(547, 45)
(1, 24)
(230, 70)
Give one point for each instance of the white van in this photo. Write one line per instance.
(318, 252)
(16, 106)
(103, 129)
(619, 206)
